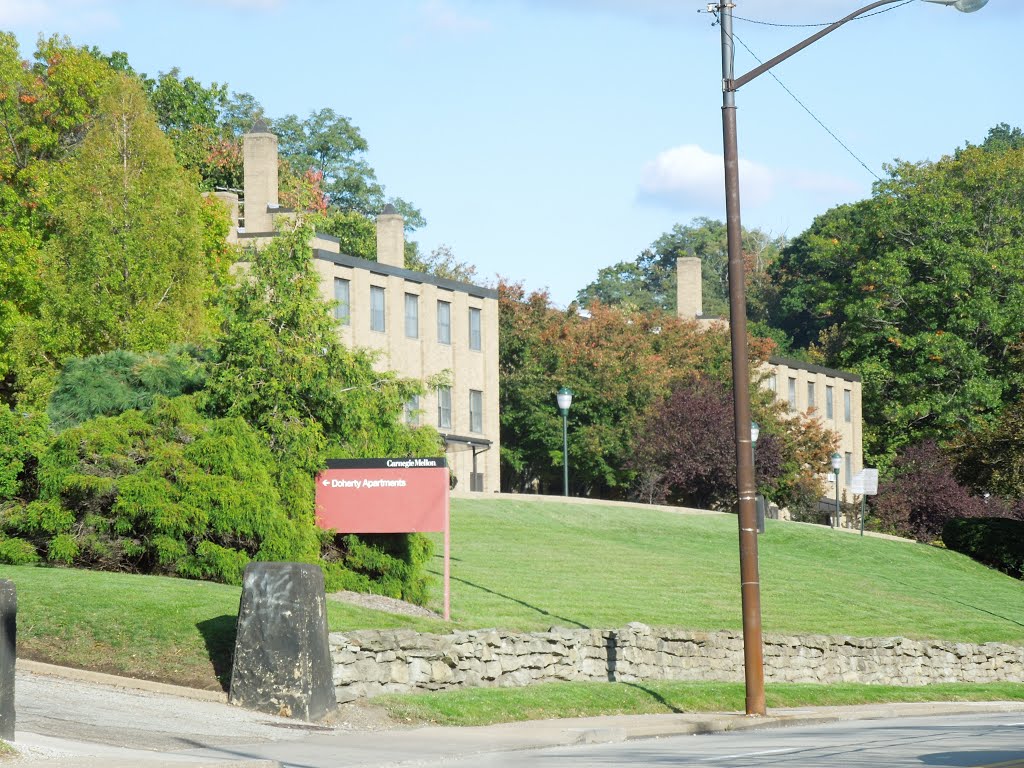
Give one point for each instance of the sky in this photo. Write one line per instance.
(546, 139)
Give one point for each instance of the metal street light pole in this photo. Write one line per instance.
(836, 461)
(753, 660)
(564, 399)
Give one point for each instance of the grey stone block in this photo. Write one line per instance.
(282, 659)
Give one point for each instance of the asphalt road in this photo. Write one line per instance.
(86, 724)
(964, 740)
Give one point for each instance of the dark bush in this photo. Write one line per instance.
(922, 495)
(998, 542)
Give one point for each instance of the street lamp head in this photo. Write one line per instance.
(755, 430)
(564, 398)
(836, 461)
(967, 6)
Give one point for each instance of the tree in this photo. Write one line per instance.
(442, 262)
(329, 143)
(990, 458)
(125, 265)
(619, 362)
(279, 365)
(204, 124)
(45, 109)
(919, 289)
(687, 440)
(923, 495)
(649, 282)
(687, 447)
(114, 382)
(1003, 138)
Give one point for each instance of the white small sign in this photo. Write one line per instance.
(865, 482)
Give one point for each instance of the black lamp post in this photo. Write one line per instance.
(836, 461)
(750, 580)
(564, 399)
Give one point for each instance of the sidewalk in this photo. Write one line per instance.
(136, 723)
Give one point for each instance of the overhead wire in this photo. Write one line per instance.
(792, 95)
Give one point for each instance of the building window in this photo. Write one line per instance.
(341, 296)
(772, 384)
(444, 407)
(792, 393)
(376, 308)
(444, 322)
(847, 406)
(412, 411)
(476, 411)
(848, 466)
(412, 315)
(474, 328)
(812, 400)
(829, 407)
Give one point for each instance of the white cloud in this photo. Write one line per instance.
(441, 15)
(692, 178)
(15, 13)
(72, 16)
(243, 5)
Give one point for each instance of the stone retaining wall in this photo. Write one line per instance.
(370, 662)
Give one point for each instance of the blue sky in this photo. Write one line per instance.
(545, 139)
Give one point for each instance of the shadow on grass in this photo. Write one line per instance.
(523, 603)
(912, 588)
(657, 697)
(219, 635)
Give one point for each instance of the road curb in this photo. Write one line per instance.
(115, 681)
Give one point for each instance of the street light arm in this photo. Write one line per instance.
(735, 85)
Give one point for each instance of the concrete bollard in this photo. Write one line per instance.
(8, 655)
(282, 661)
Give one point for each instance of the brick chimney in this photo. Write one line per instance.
(390, 237)
(259, 172)
(689, 288)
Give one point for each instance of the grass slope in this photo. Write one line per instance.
(530, 565)
(533, 565)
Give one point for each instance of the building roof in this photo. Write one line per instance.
(407, 274)
(800, 365)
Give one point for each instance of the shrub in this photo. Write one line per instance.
(995, 541)
(118, 381)
(922, 495)
(23, 436)
(165, 491)
(393, 565)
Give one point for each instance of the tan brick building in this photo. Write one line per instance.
(834, 397)
(420, 325)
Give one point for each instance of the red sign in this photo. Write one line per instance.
(383, 495)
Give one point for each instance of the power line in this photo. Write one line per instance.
(764, 23)
(792, 95)
(809, 112)
(823, 24)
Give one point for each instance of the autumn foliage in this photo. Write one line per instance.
(623, 367)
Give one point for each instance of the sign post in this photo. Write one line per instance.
(398, 495)
(864, 483)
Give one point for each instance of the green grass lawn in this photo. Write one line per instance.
(483, 706)
(532, 565)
